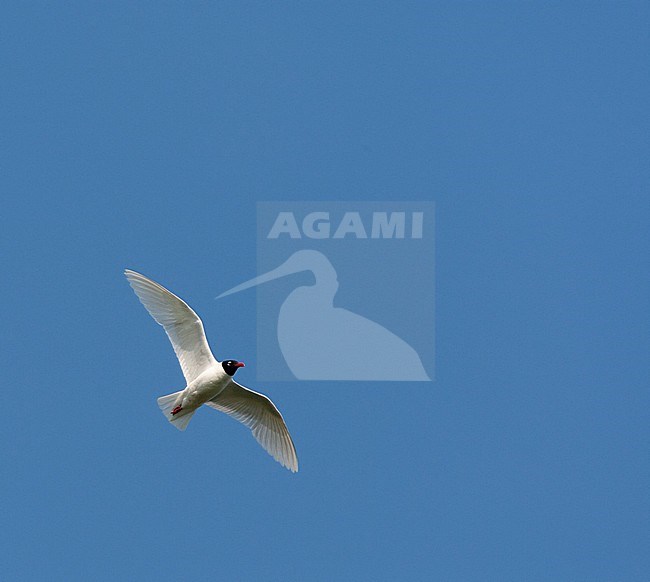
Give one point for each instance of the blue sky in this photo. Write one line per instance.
(142, 135)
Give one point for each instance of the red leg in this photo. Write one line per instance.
(176, 410)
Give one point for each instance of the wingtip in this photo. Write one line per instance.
(132, 275)
(292, 467)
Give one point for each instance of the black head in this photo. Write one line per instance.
(231, 366)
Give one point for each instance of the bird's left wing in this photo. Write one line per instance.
(184, 327)
(258, 413)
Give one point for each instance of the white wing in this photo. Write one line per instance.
(182, 325)
(259, 414)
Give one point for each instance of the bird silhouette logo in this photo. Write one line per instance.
(321, 342)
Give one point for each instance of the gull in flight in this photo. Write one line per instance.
(209, 381)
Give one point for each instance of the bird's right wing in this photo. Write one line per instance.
(258, 413)
(183, 326)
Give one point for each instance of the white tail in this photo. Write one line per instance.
(166, 404)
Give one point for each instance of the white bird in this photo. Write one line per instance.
(209, 381)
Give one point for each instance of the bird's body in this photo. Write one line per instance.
(206, 386)
(209, 381)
